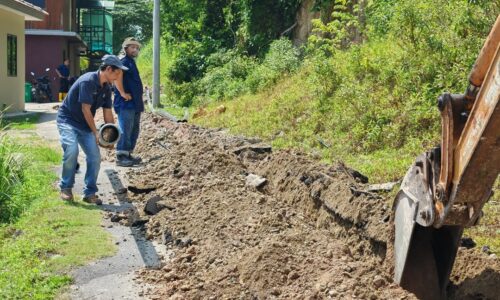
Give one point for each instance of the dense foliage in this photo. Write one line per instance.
(11, 176)
(20, 179)
(195, 29)
(382, 91)
(132, 18)
(365, 83)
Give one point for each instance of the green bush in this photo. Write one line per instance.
(11, 175)
(282, 59)
(19, 184)
(231, 74)
(225, 77)
(188, 62)
(182, 94)
(382, 92)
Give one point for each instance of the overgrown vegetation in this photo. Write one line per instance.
(362, 90)
(17, 177)
(193, 30)
(11, 176)
(41, 237)
(211, 47)
(131, 18)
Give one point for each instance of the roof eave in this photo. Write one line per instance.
(29, 11)
(73, 36)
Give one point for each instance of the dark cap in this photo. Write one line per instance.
(112, 60)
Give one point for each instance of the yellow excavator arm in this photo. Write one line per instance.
(446, 188)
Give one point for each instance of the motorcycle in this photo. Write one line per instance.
(41, 90)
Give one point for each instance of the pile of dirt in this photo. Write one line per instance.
(243, 221)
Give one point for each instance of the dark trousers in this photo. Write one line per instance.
(129, 121)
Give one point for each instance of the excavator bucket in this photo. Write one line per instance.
(423, 255)
(446, 188)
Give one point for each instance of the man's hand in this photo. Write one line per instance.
(126, 96)
(110, 147)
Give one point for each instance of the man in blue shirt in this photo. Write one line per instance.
(63, 73)
(76, 125)
(129, 105)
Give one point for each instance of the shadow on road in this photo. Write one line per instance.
(146, 248)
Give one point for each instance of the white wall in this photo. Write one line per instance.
(12, 88)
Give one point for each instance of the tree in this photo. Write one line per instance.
(196, 29)
(132, 18)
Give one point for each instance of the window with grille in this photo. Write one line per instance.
(11, 55)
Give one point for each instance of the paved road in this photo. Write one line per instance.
(112, 277)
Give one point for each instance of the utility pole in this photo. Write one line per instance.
(156, 54)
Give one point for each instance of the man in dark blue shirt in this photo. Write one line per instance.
(75, 122)
(63, 73)
(129, 105)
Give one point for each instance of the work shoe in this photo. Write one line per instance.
(66, 195)
(124, 161)
(92, 199)
(136, 159)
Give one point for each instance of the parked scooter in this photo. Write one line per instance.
(41, 91)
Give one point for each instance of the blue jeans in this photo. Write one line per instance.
(129, 122)
(71, 137)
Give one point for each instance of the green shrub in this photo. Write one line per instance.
(225, 76)
(11, 174)
(382, 92)
(182, 94)
(283, 58)
(188, 62)
(231, 74)
(19, 184)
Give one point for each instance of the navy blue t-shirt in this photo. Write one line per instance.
(85, 90)
(132, 85)
(64, 70)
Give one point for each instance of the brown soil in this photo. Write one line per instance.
(310, 231)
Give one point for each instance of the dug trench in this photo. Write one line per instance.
(243, 221)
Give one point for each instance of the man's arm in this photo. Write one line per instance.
(59, 73)
(89, 118)
(121, 90)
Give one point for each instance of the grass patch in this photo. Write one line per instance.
(44, 237)
(381, 165)
(286, 117)
(20, 122)
(35, 159)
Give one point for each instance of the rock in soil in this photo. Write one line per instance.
(255, 181)
(152, 207)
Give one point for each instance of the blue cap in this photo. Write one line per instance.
(112, 60)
